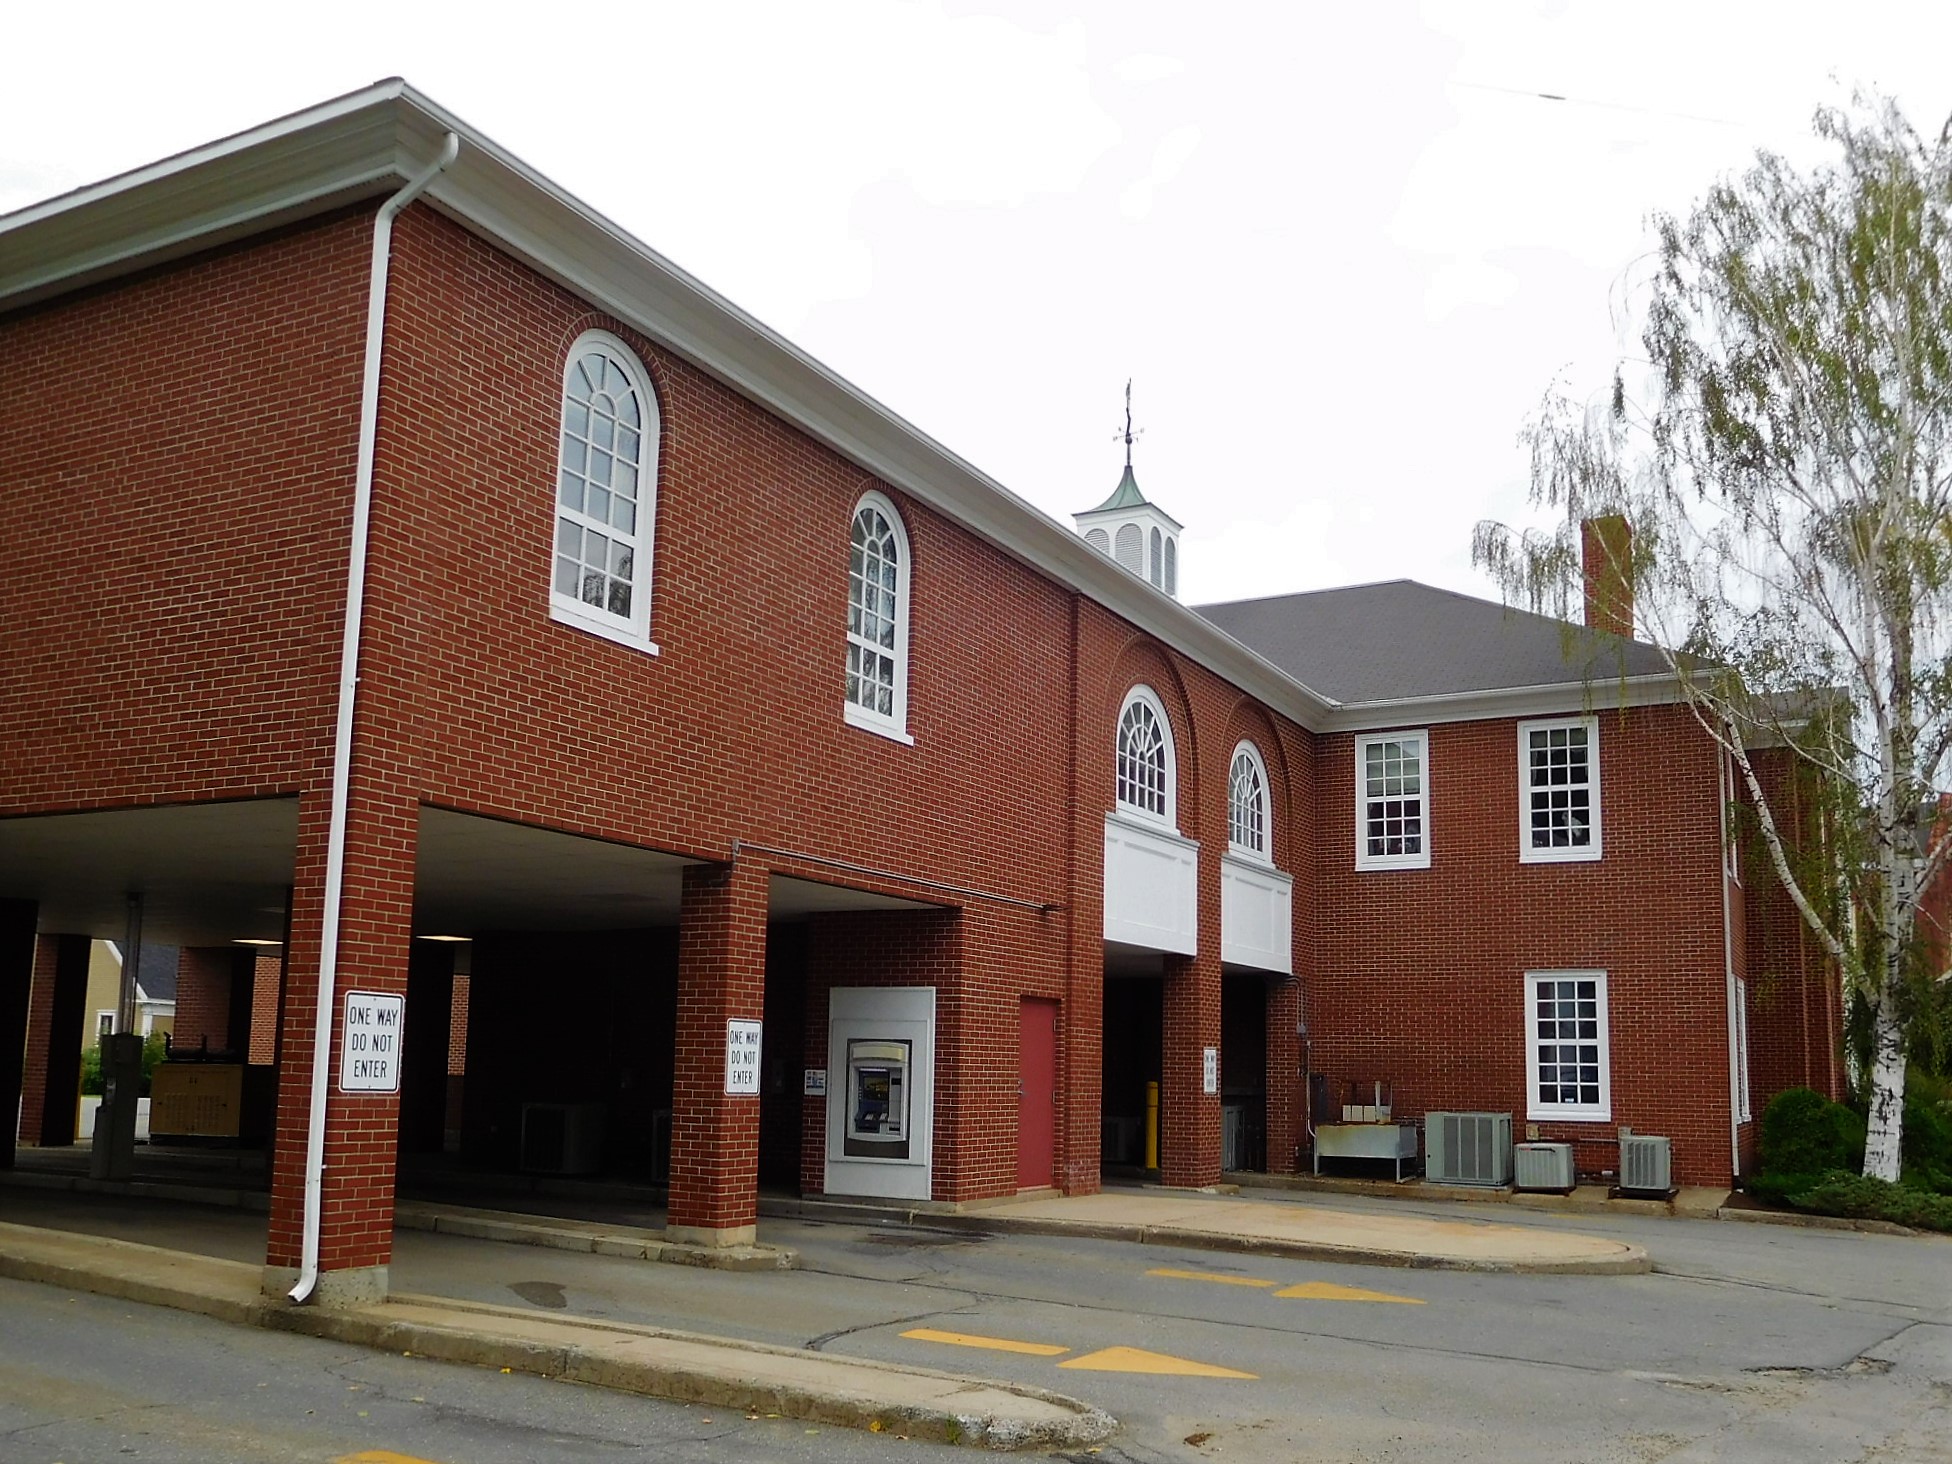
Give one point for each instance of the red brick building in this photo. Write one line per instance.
(400, 563)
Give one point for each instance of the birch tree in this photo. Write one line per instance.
(1783, 459)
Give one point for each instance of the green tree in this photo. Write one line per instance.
(1785, 473)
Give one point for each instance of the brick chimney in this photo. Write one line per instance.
(1606, 558)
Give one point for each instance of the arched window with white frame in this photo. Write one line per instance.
(878, 587)
(1250, 824)
(1146, 771)
(606, 492)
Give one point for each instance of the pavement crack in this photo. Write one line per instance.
(820, 1342)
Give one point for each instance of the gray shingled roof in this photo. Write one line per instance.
(156, 971)
(1401, 639)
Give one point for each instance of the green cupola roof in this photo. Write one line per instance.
(1125, 495)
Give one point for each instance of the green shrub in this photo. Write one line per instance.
(1858, 1198)
(1804, 1135)
(91, 1065)
(1927, 1140)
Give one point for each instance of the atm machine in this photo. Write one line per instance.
(881, 1111)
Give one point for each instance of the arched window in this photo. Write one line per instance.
(877, 619)
(1249, 827)
(1145, 757)
(606, 492)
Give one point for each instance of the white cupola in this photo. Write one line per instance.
(1139, 535)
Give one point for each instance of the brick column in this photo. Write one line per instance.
(1283, 1076)
(17, 919)
(1189, 1117)
(375, 926)
(721, 976)
(52, 1076)
(203, 999)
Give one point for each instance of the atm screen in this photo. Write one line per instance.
(877, 1109)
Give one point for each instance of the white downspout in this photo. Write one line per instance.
(335, 851)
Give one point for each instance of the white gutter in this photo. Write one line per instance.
(335, 853)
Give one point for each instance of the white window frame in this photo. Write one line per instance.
(632, 630)
(105, 1024)
(1146, 696)
(1537, 1111)
(1570, 855)
(1364, 859)
(1264, 855)
(893, 726)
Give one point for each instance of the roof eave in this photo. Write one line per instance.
(1550, 699)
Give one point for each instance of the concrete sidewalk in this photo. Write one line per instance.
(1266, 1227)
(794, 1383)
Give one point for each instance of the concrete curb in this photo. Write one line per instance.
(630, 1242)
(842, 1392)
(1632, 1261)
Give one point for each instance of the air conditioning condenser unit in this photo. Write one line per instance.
(1646, 1165)
(1542, 1167)
(1467, 1148)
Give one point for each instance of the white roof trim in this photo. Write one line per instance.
(1566, 697)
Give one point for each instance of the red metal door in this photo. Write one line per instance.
(1036, 1093)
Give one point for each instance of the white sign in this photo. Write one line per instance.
(814, 1084)
(1210, 1070)
(370, 1049)
(741, 1056)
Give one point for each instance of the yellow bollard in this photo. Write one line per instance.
(1151, 1125)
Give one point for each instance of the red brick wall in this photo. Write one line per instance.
(1795, 1004)
(172, 557)
(203, 978)
(1419, 974)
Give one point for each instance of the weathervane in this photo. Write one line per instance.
(1128, 434)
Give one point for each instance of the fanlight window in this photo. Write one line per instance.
(1247, 803)
(606, 489)
(1145, 758)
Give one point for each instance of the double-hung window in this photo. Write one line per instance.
(1393, 801)
(1566, 1054)
(606, 493)
(1559, 790)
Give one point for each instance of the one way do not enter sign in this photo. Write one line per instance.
(369, 1054)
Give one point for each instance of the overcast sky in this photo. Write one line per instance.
(1342, 249)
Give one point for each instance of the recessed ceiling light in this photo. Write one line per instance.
(453, 939)
(244, 940)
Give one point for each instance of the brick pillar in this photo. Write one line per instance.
(375, 926)
(203, 999)
(721, 976)
(1189, 1117)
(17, 919)
(1283, 1076)
(52, 1076)
(430, 1017)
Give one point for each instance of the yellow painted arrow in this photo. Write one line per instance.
(991, 1344)
(1213, 1276)
(1138, 1360)
(1328, 1291)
